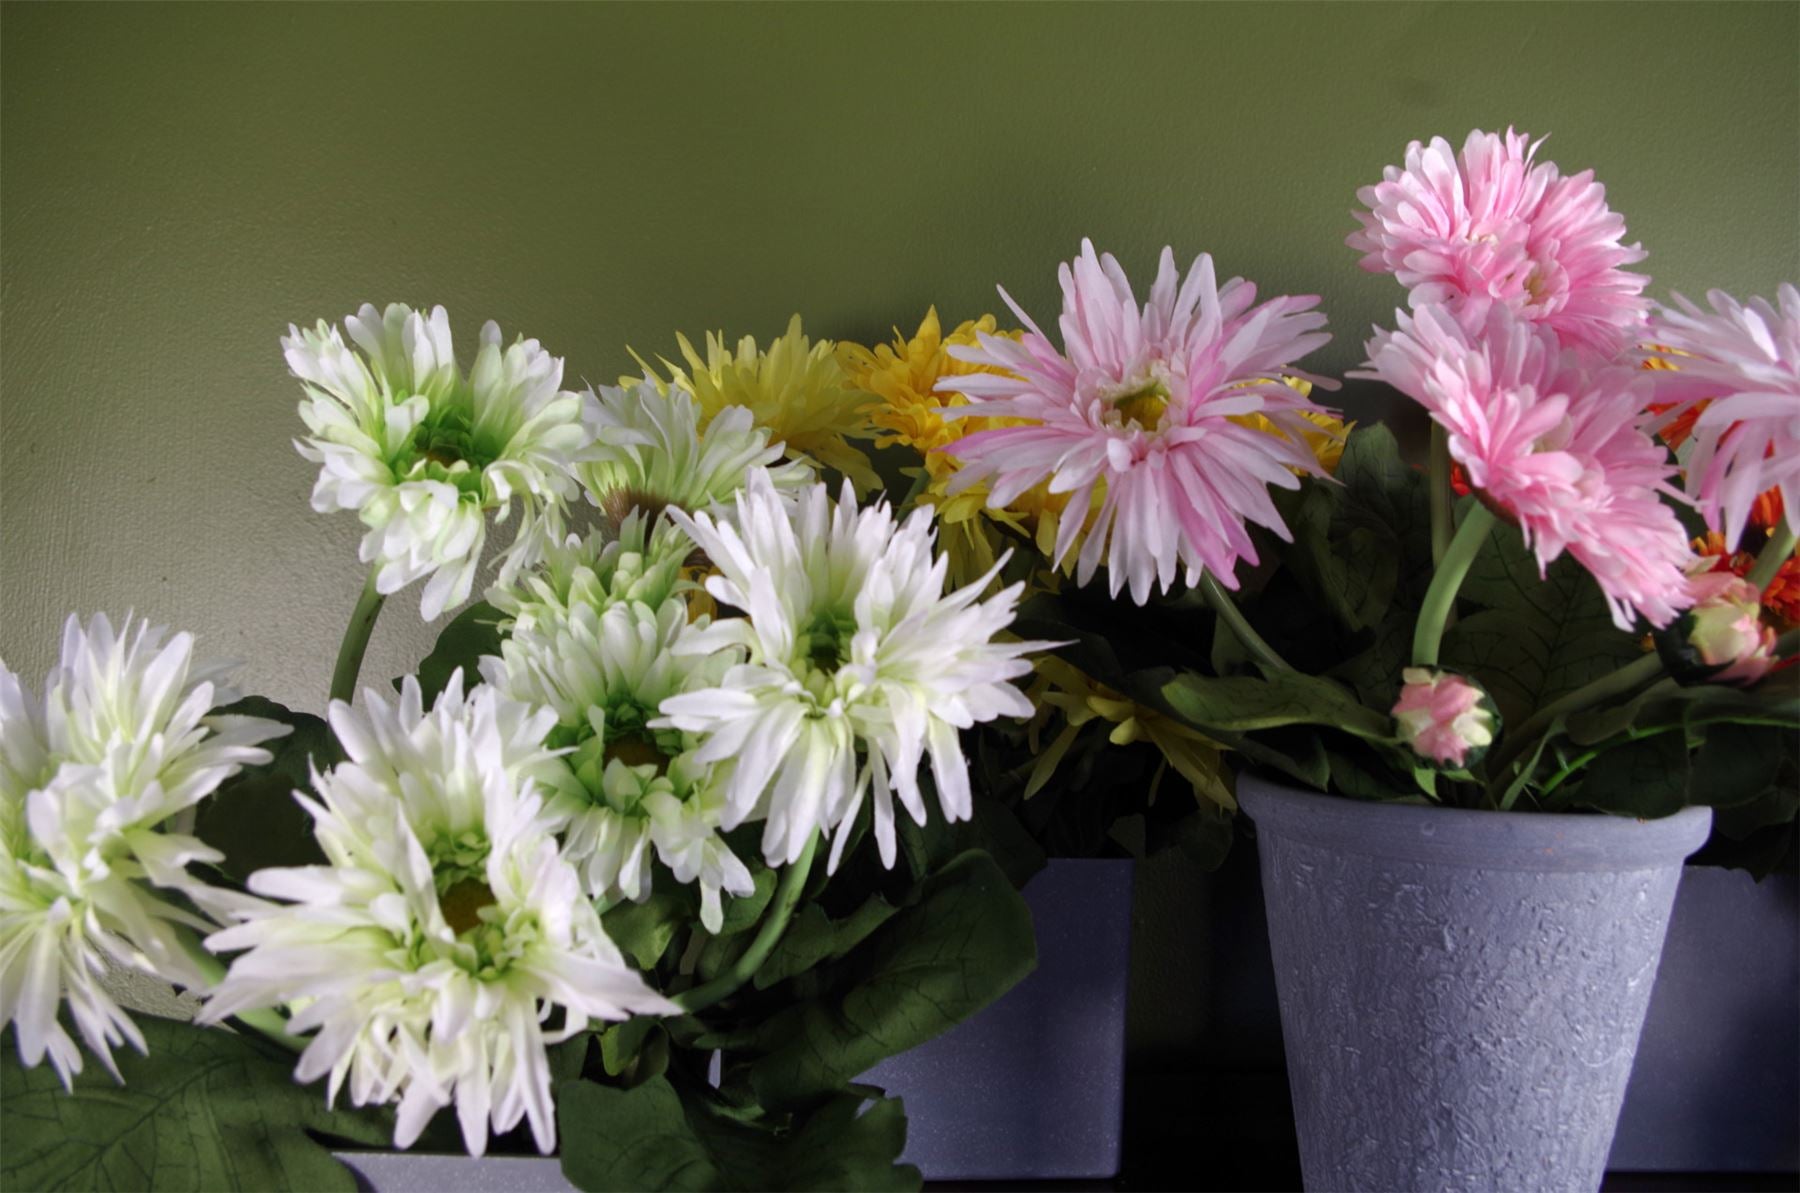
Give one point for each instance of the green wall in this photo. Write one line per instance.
(180, 182)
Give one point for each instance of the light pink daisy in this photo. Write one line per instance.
(1746, 357)
(1138, 408)
(1552, 440)
(1491, 225)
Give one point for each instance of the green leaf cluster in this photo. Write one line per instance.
(205, 1109)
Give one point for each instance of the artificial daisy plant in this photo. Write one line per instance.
(722, 792)
(601, 878)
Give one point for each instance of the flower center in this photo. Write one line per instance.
(634, 749)
(462, 904)
(1141, 407)
(826, 639)
(448, 443)
(457, 859)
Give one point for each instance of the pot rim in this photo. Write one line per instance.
(1471, 838)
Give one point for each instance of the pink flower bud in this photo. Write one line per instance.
(1726, 630)
(1446, 719)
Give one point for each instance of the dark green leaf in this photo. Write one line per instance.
(813, 937)
(1348, 559)
(470, 634)
(1737, 764)
(1239, 704)
(742, 912)
(206, 1109)
(1647, 778)
(253, 817)
(1536, 638)
(650, 1137)
(963, 943)
(643, 931)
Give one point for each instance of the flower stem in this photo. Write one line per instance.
(1446, 580)
(1775, 552)
(356, 640)
(1442, 520)
(774, 924)
(1231, 615)
(265, 1021)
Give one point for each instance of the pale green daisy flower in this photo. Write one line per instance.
(431, 951)
(650, 452)
(423, 454)
(852, 646)
(94, 780)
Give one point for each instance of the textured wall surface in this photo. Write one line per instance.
(181, 182)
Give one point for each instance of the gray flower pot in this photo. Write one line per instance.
(1031, 1088)
(1461, 992)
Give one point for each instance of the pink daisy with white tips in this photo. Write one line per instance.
(1492, 225)
(1746, 358)
(1138, 408)
(1551, 440)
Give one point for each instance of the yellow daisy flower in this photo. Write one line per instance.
(1327, 444)
(795, 388)
(903, 376)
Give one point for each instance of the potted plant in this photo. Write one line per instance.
(1481, 734)
(617, 873)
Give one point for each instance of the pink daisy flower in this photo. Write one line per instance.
(1746, 357)
(1138, 407)
(1491, 225)
(1551, 440)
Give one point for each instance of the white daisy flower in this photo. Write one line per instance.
(599, 571)
(851, 643)
(650, 451)
(677, 807)
(423, 454)
(92, 778)
(604, 672)
(436, 947)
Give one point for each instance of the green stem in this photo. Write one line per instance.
(1231, 615)
(1628, 678)
(1442, 497)
(774, 924)
(265, 1021)
(1775, 552)
(356, 640)
(1446, 580)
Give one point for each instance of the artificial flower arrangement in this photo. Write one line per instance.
(619, 871)
(1586, 601)
(663, 796)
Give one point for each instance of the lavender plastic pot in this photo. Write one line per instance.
(1461, 992)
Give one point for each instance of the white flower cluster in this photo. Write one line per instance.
(93, 778)
(429, 951)
(729, 646)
